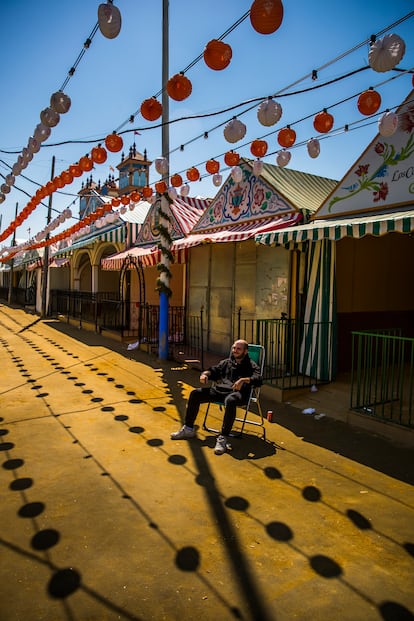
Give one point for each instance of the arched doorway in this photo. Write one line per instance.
(127, 303)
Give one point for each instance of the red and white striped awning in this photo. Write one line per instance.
(236, 233)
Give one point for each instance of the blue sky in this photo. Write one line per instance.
(42, 40)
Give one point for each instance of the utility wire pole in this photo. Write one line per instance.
(9, 299)
(45, 271)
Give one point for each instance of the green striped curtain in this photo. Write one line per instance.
(318, 348)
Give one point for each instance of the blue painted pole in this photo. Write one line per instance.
(163, 331)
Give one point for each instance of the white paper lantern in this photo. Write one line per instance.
(33, 145)
(49, 117)
(386, 53)
(60, 102)
(234, 130)
(314, 147)
(185, 189)
(109, 20)
(269, 112)
(68, 213)
(217, 180)
(151, 199)
(123, 210)
(161, 165)
(131, 206)
(172, 193)
(387, 124)
(237, 174)
(27, 155)
(10, 179)
(5, 188)
(283, 158)
(42, 132)
(16, 169)
(257, 167)
(2, 197)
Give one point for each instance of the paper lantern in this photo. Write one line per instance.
(269, 112)
(386, 53)
(323, 122)
(231, 158)
(2, 198)
(60, 102)
(313, 147)
(161, 165)
(114, 142)
(160, 187)
(179, 87)
(193, 174)
(59, 183)
(5, 188)
(266, 15)
(146, 191)
(109, 20)
(151, 109)
(27, 155)
(66, 177)
(286, 137)
(125, 199)
(283, 158)
(33, 145)
(16, 169)
(212, 166)
(258, 148)
(75, 170)
(135, 196)
(85, 163)
(237, 174)
(387, 124)
(217, 179)
(257, 167)
(176, 180)
(217, 54)
(99, 154)
(234, 130)
(172, 193)
(42, 132)
(184, 190)
(49, 117)
(10, 179)
(368, 102)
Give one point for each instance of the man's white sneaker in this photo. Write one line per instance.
(183, 434)
(221, 445)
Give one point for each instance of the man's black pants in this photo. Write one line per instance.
(205, 395)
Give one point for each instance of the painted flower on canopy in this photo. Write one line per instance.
(381, 193)
(259, 196)
(362, 170)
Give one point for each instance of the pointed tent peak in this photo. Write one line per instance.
(378, 179)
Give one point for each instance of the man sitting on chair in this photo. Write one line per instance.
(233, 379)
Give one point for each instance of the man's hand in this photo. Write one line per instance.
(204, 378)
(239, 383)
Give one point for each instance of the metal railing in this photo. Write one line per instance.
(382, 375)
(298, 354)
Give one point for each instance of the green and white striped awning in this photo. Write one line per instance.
(357, 227)
(114, 235)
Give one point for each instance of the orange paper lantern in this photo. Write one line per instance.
(99, 154)
(147, 191)
(368, 102)
(66, 177)
(76, 170)
(114, 142)
(266, 15)
(286, 137)
(179, 87)
(323, 122)
(258, 148)
(212, 167)
(217, 54)
(231, 158)
(85, 163)
(135, 196)
(193, 174)
(160, 187)
(151, 109)
(176, 180)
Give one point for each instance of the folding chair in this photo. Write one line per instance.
(257, 354)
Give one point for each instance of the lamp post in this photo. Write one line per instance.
(164, 274)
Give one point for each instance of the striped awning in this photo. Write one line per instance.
(238, 232)
(148, 256)
(114, 235)
(357, 227)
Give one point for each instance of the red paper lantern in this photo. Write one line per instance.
(368, 102)
(217, 54)
(231, 158)
(179, 87)
(147, 191)
(114, 142)
(266, 15)
(151, 109)
(212, 167)
(193, 174)
(135, 196)
(85, 163)
(115, 202)
(258, 148)
(323, 122)
(125, 200)
(176, 180)
(66, 177)
(76, 170)
(99, 154)
(286, 137)
(161, 187)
